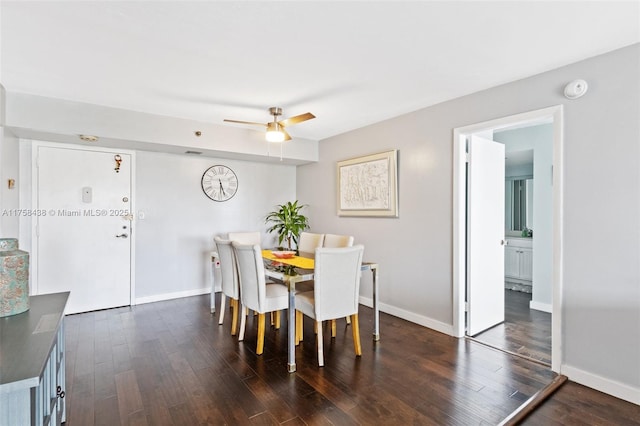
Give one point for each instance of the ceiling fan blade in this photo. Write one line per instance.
(251, 123)
(296, 119)
(287, 136)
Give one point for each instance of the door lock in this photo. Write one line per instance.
(122, 236)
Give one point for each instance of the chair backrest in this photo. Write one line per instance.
(337, 281)
(228, 268)
(309, 242)
(251, 276)
(245, 237)
(333, 240)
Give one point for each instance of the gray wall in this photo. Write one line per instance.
(174, 239)
(601, 207)
(9, 198)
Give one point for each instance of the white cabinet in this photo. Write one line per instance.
(518, 260)
(511, 262)
(32, 363)
(526, 264)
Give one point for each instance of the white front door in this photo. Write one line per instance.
(485, 235)
(83, 237)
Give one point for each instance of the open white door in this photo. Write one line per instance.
(485, 235)
(83, 241)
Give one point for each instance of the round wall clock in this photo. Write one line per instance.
(219, 183)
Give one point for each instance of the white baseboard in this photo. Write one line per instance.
(611, 387)
(544, 307)
(410, 316)
(169, 296)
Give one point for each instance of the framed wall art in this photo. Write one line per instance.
(368, 186)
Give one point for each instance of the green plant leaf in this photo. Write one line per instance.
(287, 222)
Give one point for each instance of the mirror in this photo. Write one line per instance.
(519, 204)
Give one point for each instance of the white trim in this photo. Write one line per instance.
(33, 263)
(36, 144)
(366, 301)
(611, 387)
(558, 237)
(459, 208)
(544, 307)
(133, 226)
(170, 296)
(459, 232)
(409, 316)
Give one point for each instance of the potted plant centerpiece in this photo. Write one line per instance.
(288, 222)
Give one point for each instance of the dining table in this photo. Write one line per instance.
(297, 268)
(300, 267)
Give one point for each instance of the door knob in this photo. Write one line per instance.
(122, 236)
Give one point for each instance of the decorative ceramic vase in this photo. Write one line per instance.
(14, 278)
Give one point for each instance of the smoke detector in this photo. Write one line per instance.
(575, 89)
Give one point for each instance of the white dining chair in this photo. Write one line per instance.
(335, 293)
(254, 293)
(333, 240)
(245, 237)
(309, 242)
(251, 238)
(229, 281)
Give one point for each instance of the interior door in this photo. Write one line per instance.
(485, 234)
(83, 241)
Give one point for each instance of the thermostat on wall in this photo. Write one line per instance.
(87, 194)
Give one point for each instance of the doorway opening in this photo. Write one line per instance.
(463, 274)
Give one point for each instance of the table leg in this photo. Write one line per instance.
(291, 341)
(376, 310)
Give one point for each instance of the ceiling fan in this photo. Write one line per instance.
(276, 129)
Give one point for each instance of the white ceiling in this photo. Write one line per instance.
(350, 63)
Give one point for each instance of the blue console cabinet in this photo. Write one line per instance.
(32, 363)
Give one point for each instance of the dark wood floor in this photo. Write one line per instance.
(524, 331)
(169, 363)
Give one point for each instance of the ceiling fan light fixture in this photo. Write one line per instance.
(274, 134)
(276, 130)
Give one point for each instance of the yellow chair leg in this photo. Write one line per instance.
(299, 324)
(261, 327)
(234, 316)
(333, 328)
(277, 322)
(356, 334)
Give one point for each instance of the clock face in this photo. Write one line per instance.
(219, 183)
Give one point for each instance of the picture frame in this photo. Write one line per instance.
(368, 185)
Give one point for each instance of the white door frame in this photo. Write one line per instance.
(34, 202)
(459, 218)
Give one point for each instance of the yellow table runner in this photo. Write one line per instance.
(297, 261)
